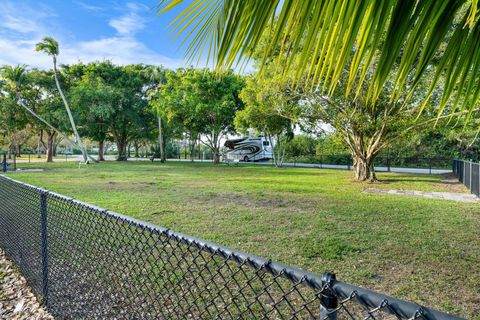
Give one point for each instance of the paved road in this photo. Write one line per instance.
(344, 167)
(266, 163)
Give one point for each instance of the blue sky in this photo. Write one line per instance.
(122, 31)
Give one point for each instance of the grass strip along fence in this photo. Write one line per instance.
(89, 263)
(468, 173)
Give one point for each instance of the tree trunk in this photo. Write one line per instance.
(101, 148)
(160, 140)
(50, 145)
(278, 162)
(361, 167)
(192, 150)
(40, 142)
(121, 140)
(10, 148)
(136, 149)
(216, 155)
(364, 149)
(122, 149)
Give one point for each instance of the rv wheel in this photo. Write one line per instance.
(245, 159)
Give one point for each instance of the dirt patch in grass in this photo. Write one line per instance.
(264, 201)
(451, 184)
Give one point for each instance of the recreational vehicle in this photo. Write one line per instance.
(248, 149)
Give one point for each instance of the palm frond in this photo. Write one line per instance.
(326, 37)
(49, 46)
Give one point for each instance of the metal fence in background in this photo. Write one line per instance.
(468, 173)
(7, 164)
(386, 162)
(89, 263)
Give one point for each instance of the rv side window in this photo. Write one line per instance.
(266, 143)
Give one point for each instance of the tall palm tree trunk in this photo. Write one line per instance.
(70, 117)
(160, 140)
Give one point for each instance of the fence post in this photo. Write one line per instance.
(43, 213)
(388, 163)
(4, 163)
(328, 301)
(429, 165)
(470, 186)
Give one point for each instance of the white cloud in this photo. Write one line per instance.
(21, 28)
(22, 19)
(130, 23)
(121, 50)
(88, 7)
(127, 25)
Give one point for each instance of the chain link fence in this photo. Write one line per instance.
(382, 163)
(468, 173)
(88, 263)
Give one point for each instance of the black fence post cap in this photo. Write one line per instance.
(327, 298)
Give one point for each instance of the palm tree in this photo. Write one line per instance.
(16, 78)
(51, 48)
(155, 76)
(321, 39)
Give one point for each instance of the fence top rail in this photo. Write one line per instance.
(466, 161)
(343, 290)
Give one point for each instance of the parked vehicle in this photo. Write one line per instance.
(248, 149)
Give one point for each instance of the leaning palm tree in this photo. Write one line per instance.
(321, 39)
(50, 47)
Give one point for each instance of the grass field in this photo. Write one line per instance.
(418, 249)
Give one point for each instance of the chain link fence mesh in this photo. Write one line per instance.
(87, 263)
(468, 173)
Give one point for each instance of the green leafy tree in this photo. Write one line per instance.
(44, 100)
(271, 108)
(203, 104)
(174, 101)
(13, 123)
(91, 100)
(216, 101)
(301, 145)
(114, 96)
(366, 125)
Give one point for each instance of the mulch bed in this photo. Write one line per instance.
(16, 298)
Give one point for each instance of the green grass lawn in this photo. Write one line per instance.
(418, 249)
